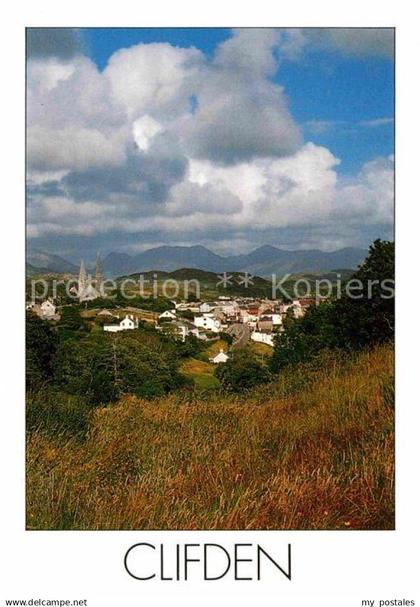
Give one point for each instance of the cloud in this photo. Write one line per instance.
(71, 148)
(370, 196)
(319, 127)
(241, 114)
(153, 78)
(191, 199)
(144, 129)
(292, 43)
(60, 42)
(377, 122)
(271, 196)
(249, 50)
(166, 145)
(359, 42)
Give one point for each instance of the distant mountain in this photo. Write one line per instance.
(164, 258)
(264, 261)
(40, 260)
(34, 271)
(270, 260)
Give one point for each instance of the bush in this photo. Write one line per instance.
(41, 343)
(104, 366)
(369, 319)
(242, 372)
(346, 323)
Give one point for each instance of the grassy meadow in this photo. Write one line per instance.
(312, 450)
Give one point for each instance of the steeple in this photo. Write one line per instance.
(82, 284)
(82, 274)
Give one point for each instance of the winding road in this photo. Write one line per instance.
(240, 333)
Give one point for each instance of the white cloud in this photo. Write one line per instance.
(377, 122)
(299, 191)
(144, 129)
(153, 78)
(360, 42)
(319, 127)
(166, 142)
(241, 114)
(370, 196)
(72, 148)
(357, 42)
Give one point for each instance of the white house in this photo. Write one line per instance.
(188, 305)
(47, 309)
(207, 306)
(127, 323)
(208, 322)
(276, 319)
(229, 308)
(221, 357)
(247, 317)
(168, 315)
(263, 338)
(179, 328)
(296, 307)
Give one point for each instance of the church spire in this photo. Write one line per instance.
(82, 273)
(82, 279)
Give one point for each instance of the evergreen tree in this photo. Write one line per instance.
(40, 348)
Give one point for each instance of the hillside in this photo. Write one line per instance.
(210, 282)
(263, 261)
(39, 261)
(313, 450)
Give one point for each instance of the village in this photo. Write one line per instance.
(243, 319)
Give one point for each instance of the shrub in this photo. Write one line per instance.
(347, 323)
(242, 372)
(41, 344)
(104, 366)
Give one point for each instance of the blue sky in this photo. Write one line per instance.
(227, 138)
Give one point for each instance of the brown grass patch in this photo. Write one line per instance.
(317, 457)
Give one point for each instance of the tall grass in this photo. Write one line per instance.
(312, 451)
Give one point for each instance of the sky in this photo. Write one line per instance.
(231, 139)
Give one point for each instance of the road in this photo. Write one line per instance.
(240, 333)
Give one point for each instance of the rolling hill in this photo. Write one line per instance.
(264, 261)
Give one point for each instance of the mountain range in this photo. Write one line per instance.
(263, 261)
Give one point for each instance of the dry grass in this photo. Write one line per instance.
(215, 347)
(313, 452)
(192, 366)
(201, 372)
(261, 349)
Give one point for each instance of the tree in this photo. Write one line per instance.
(361, 317)
(369, 317)
(84, 367)
(40, 348)
(304, 337)
(70, 319)
(242, 372)
(103, 366)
